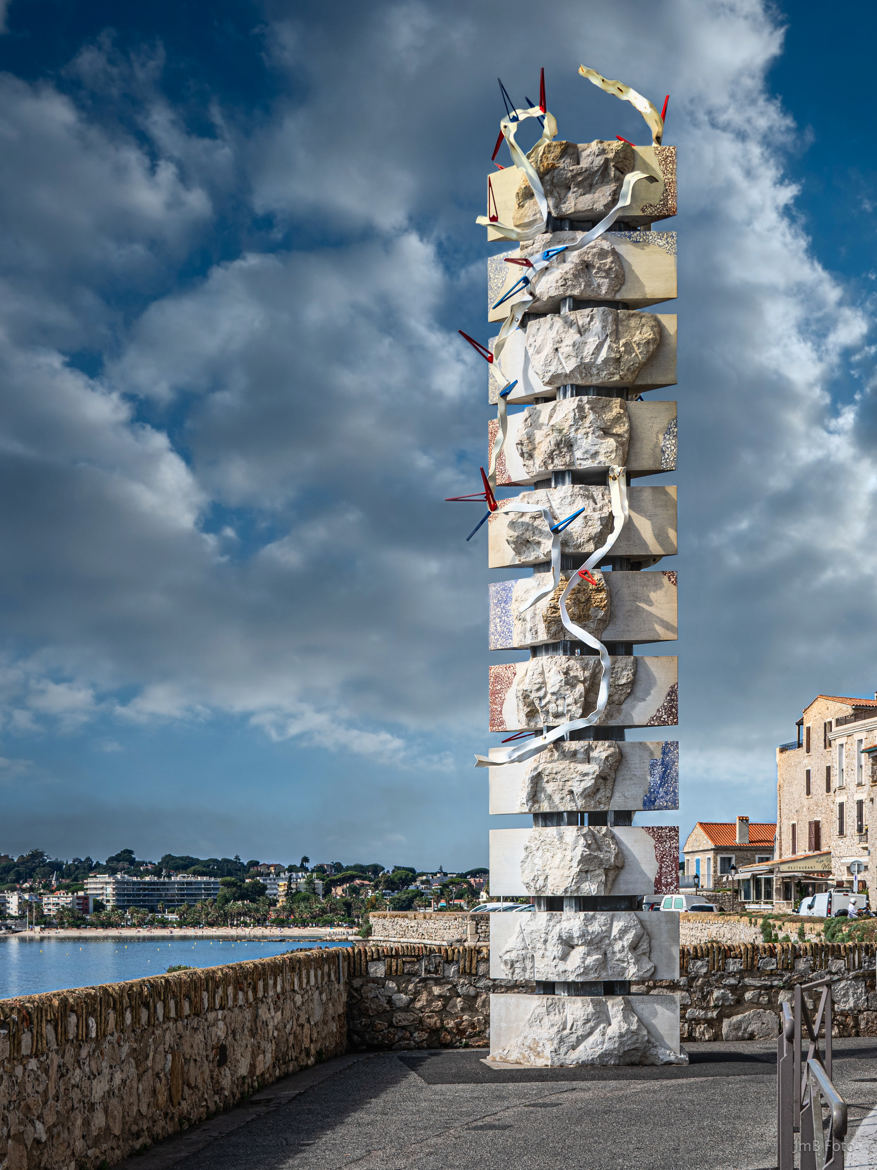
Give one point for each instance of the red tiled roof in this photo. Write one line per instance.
(850, 701)
(723, 834)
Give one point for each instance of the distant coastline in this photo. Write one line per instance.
(84, 934)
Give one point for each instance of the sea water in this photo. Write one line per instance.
(29, 965)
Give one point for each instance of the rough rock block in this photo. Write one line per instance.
(586, 433)
(582, 182)
(547, 1031)
(583, 861)
(548, 691)
(580, 947)
(617, 606)
(636, 268)
(523, 538)
(589, 775)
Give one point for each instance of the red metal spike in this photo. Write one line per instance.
(489, 497)
(522, 260)
(586, 576)
(492, 215)
(664, 111)
(477, 346)
(627, 140)
(542, 90)
(499, 143)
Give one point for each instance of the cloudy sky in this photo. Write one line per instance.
(238, 242)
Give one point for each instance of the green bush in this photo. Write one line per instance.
(179, 967)
(767, 931)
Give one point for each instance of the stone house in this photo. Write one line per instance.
(715, 850)
(826, 782)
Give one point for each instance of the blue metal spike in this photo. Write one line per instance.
(509, 105)
(478, 525)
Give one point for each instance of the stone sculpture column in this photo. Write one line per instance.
(592, 352)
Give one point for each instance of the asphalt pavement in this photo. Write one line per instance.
(446, 1110)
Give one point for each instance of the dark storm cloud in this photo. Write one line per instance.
(237, 512)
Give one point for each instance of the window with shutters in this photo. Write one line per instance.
(807, 782)
(828, 777)
(826, 727)
(807, 738)
(860, 768)
(840, 765)
(814, 836)
(860, 816)
(841, 827)
(794, 847)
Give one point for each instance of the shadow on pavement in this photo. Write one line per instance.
(453, 1067)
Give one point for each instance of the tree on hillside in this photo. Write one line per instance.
(124, 859)
(405, 900)
(304, 863)
(233, 890)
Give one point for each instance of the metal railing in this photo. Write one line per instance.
(804, 1084)
(789, 747)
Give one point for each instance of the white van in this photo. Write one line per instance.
(688, 903)
(832, 904)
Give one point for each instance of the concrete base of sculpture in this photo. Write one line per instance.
(553, 1031)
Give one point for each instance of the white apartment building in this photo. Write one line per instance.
(150, 893)
(18, 902)
(63, 900)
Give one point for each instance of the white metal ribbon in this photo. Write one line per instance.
(524, 751)
(509, 128)
(618, 89)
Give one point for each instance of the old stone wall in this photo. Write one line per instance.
(737, 992)
(733, 928)
(419, 996)
(88, 1076)
(411, 996)
(419, 926)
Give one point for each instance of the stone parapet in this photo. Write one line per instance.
(733, 928)
(416, 926)
(90, 1075)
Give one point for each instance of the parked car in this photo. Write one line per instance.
(688, 903)
(832, 904)
(652, 902)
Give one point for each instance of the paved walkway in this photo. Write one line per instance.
(446, 1111)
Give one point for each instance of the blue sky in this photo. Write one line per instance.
(237, 616)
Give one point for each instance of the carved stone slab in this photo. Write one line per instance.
(547, 691)
(582, 182)
(554, 1031)
(636, 268)
(523, 538)
(620, 607)
(584, 861)
(574, 947)
(580, 433)
(589, 776)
